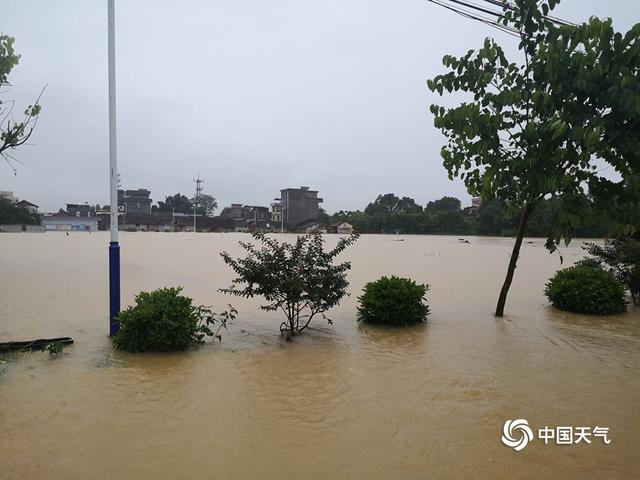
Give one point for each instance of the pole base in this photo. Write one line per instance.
(114, 288)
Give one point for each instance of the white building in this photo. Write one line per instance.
(62, 221)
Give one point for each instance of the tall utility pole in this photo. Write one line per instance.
(114, 247)
(198, 181)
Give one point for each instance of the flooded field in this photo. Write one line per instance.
(342, 401)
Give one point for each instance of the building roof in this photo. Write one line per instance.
(337, 224)
(24, 203)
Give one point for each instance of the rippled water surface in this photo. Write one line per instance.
(342, 401)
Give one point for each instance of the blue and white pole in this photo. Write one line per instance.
(114, 247)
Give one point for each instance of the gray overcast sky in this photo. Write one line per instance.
(257, 96)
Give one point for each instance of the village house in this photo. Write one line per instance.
(341, 228)
(28, 206)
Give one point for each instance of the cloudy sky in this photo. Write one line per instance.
(254, 95)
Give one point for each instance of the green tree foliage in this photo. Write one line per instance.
(323, 218)
(515, 140)
(592, 74)
(444, 204)
(164, 321)
(13, 132)
(300, 279)
(393, 301)
(206, 205)
(586, 289)
(178, 203)
(389, 203)
(622, 259)
(10, 213)
(389, 213)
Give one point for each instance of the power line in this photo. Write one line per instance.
(479, 12)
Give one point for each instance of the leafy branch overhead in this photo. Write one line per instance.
(13, 133)
(534, 130)
(300, 278)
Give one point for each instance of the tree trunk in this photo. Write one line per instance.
(513, 261)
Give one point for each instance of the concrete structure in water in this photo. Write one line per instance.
(299, 207)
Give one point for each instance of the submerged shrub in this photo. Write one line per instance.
(164, 320)
(586, 289)
(393, 301)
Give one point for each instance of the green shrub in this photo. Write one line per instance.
(164, 320)
(393, 301)
(589, 262)
(586, 289)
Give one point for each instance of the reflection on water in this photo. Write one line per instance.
(342, 401)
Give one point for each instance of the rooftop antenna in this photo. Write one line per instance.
(198, 181)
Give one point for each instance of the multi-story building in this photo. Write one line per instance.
(276, 215)
(78, 210)
(135, 202)
(236, 211)
(299, 206)
(247, 217)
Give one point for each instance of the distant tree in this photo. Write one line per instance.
(514, 139)
(206, 204)
(13, 133)
(179, 203)
(444, 204)
(324, 218)
(389, 203)
(10, 213)
(300, 278)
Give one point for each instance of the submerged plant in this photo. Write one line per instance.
(300, 278)
(393, 301)
(54, 349)
(586, 289)
(164, 320)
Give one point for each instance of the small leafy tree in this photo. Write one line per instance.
(164, 321)
(13, 133)
(178, 203)
(622, 259)
(300, 279)
(516, 140)
(205, 204)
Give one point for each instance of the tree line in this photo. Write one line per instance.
(389, 213)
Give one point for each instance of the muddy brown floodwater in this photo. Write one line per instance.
(342, 402)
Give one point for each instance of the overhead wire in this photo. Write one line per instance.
(479, 12)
